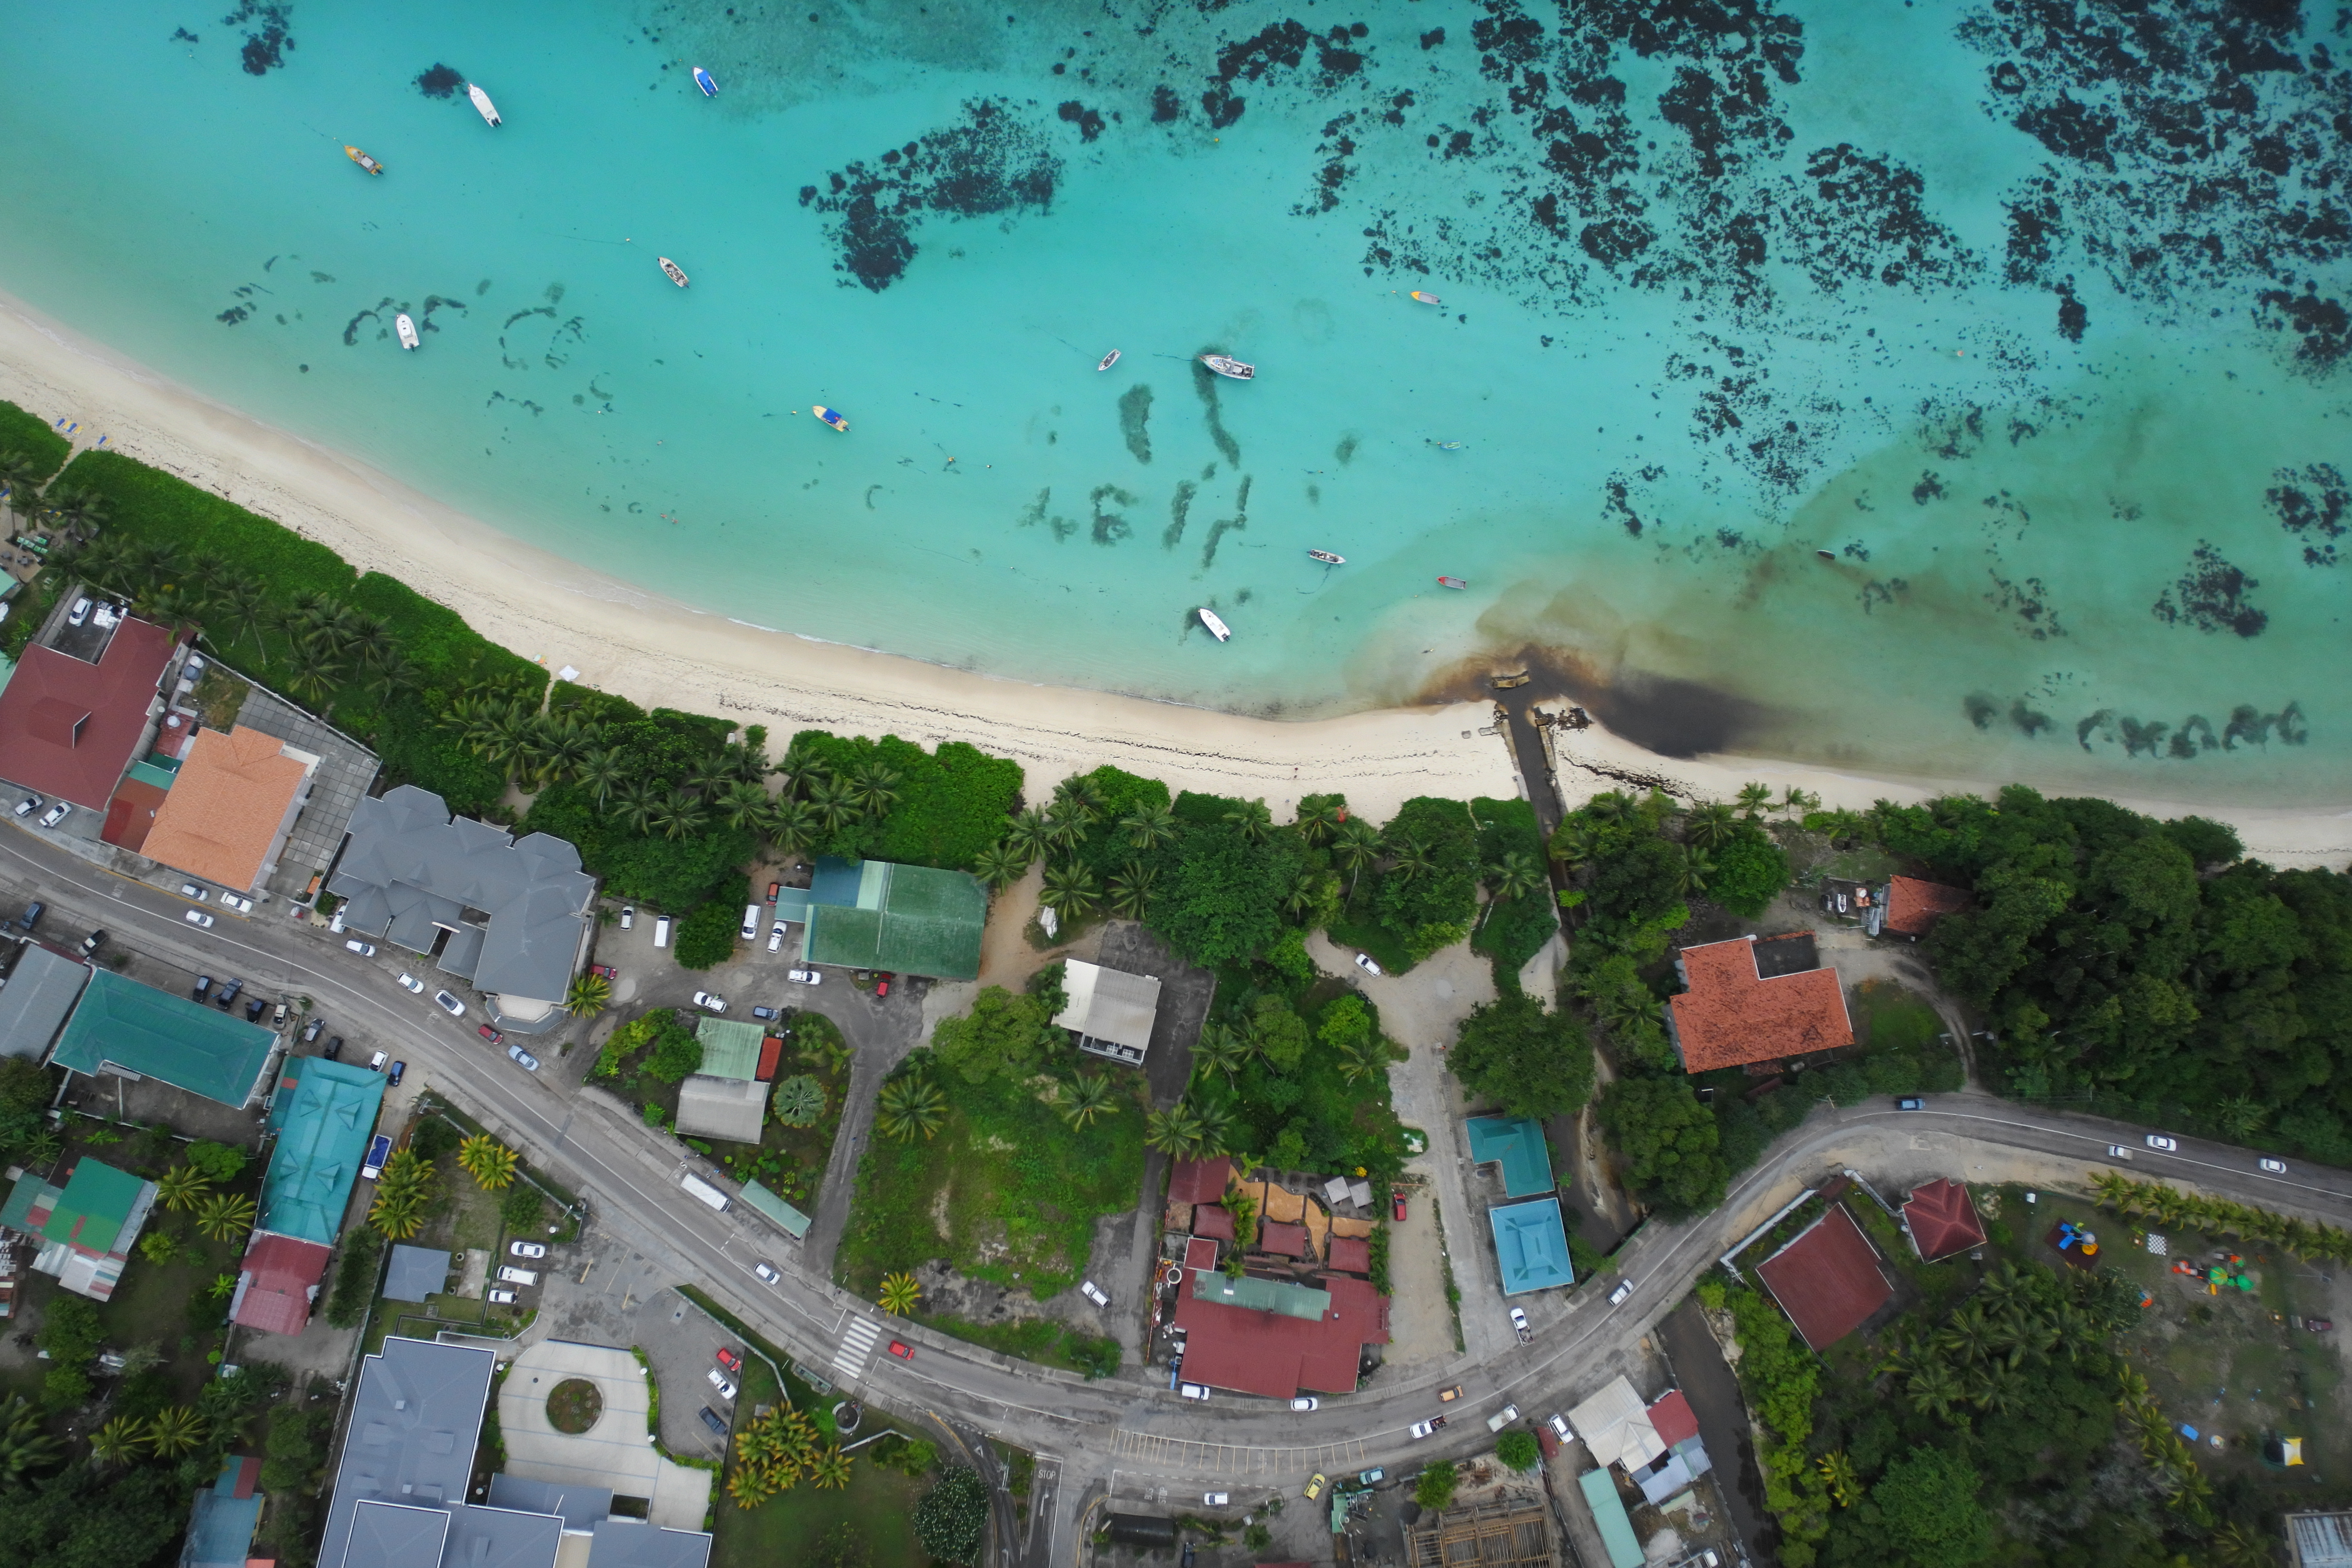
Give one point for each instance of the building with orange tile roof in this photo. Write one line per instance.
(1755, 999)
(230, 807)
(1911, 906)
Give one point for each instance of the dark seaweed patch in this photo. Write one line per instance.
(1204, 382)
(2312, 504)
(1866, 218)
(2029, 601)
(351, 327)
(266, 36)
(440, 81)
(1180, 510)
(2073, 317)
(1134, 420)
(2211, 596)
(1111, 527)
(1165, 105)
(1929, 488)
(1336, 148)
(182, 35)
(2324, 325)
(234, 314)
(1223, 525)
(995, 162)
(1090, 122)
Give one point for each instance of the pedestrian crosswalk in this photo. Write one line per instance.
(857, 1344)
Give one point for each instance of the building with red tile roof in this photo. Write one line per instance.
(1212, 1220)
(67, 727)
(771, 1051)
(1350, 1255)
(275, 1283)
(1200, 1181)
(1282, 1240)
(1200, 1252)
(1273, 1338)
(1942, 1220)
(230, 807)
(1755, 999)
(1828, 1280)
(1672, 1418)
(1913, 906)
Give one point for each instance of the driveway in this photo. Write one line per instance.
(618, 1453)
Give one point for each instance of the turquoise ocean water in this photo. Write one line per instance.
(2037, 333)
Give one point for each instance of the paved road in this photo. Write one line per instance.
(1128, 1424)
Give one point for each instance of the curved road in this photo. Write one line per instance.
(1130, 1425)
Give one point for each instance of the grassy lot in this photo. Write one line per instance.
(1041, 1340)
(1007, 1190)
(30, 436)
(878, 1503)
(1886, 1017)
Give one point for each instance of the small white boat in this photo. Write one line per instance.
(362, 160)
(676, 273)
(830, 417)
(1217, 628)
(1108, 360)
(1426, 298)
(702, 79)
(407, 331)
(482, 101)
(1226, 365)
(1326, 557)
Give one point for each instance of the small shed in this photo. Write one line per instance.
(1942, 1220)
(1111, 1010)
(415, 1273)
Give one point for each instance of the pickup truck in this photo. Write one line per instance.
(1502, 1418)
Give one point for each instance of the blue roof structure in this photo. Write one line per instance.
(324, 1115)
(1518, 1142)
(1609, 1513)
(1531, 1245)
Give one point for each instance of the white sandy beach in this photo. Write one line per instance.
(655, 651)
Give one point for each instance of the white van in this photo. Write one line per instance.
(750, 922)
(661, 930)
(518, 1277)
(703, 1191)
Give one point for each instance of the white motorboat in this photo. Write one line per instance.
(1226, 365)
(482, 101)
(407, 331)
(676, 273)
(1327, 557)
(1217, 628)
(1108, 360)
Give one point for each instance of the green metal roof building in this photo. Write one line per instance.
(86, 1227)
(907, 919)
(161, 1034)
(324, 1114)
(1516, 1143)
(730, 1050)
(793, 1222)
(1609, 1513)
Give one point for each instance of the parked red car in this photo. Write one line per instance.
(732, 1360)
(1397, 1207)
(774, 891)
(882, 984)
(491, 1034)
(607, 970)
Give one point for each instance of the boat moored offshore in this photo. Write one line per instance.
(1327, 557)
(482, 101)
(1108, 360)
(1226, 365)
(361, 159)
(407, 331)
(676, 273)
(830, 417)
(1451, 583)
(702, 78)
(1426, 298)
(1217, 627)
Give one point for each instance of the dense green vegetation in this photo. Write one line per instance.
(1519, 916)
(948, 806)
(30, 450)
(1523, 1060)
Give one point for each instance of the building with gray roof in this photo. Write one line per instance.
(38, 994)
(415, 1273)
(408, 1456)
(514, 912)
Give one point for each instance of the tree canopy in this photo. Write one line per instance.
(1669, 1141)
(1530, 1062)
(1006, 1034)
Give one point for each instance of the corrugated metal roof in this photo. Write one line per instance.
(162, 1035)
(732, 1108)
(37, 999)
(1108, 1003)
(1517, 1143)
(324, 1114)
(730, 1050)
(794, 1223)
(1617, 1535)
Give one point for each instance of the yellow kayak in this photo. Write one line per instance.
(362, 160)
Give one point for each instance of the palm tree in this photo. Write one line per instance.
(1130, 892)
(1029, 834)
(1934, 1390)
(1837, 1473)
(183, 1187)
(588, 996)
(20, 482)
(1000, 866)
(1361, 1058)
(562, 743)
(1252, 820)
(875, 786)
(119, 1441)
(1711, 826)
(1410, 860)
(744, 804)
(900, 1294)
(1149, 826)
(829, 1471)
(23, 1446)
(1753, 800)
(173, 1431)
(1574, 842)
(1089, 1097)
(2242, 1116)
(1176, 1131)
(1078, 796)
(1693, 869)
(1515, 876)
(679, 814)
(317, 673)
(1220, 1049)
(491, 1163)
(1217, 1130)
(636, 805)
(791, 824)
(1610, 805)
(710, 775)
(1357, 846)
(1065, 826)
(79, 513)
(224, 1216)
(397, 1215)
(1319, 822)
(1968, 1334)
(600, 770)
(1797, 800)
(392, 677)
(1069, 889)
(834, 805)
(908, 1104)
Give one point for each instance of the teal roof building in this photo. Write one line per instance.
(161, 1035)
(907, 919)
(1516, 1143)
(1531, 1246)
(324, 1114)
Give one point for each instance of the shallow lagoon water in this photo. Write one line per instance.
(1722, 289)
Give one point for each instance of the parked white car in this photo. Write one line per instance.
(449, 1003)
(518, 1277)
(410, 983)
(1617, 1296)
(1364, 961)
(364, 949)
(79, 613)
(242, 906)
(197, 918)
(502, 1298)
(712, 1000)
(529, 1249)
(776, 938)
(1192, 1389)
(718, 1381)
(804, 976)
(1520, 1322)
(1216, 1499)
(190, 890)
(1306, 1402)
(1502, 1418)
(1093, 1292)
(56, 814)
(628, 916)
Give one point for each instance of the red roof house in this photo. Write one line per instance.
(1350, 1255)
(1272, 1338)
(1828, 1280)
(1212, 1220)
(1200, 1253)
(1672, 1419)
(1200, 1181)
(277, 1277)
(1755, 999)
(1282, 1240)
(68, 727)
(1913, 906)
(772, 1050)
(1942, 1220)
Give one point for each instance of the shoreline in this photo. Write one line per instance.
(658, 652)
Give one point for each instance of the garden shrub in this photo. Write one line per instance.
(707, 938)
